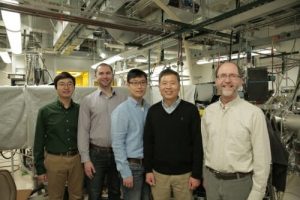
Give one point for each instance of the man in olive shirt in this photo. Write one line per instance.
(55, 146)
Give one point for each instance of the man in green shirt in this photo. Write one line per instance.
(56, 156)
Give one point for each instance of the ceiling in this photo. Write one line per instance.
(155, 28)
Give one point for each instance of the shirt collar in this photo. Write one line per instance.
(173, 106)
(60, 104)
(231, 103)
(102, 93)
(135, 102)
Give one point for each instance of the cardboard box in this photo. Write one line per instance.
(23, 194)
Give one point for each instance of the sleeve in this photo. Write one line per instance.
(39, 144)
(83, 133)
(119, 130)
(204, 134)
(148, 141)
(261, 156)
(197, 145)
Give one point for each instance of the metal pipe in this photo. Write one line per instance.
(71, 18)
(292, 122)
(211, 20)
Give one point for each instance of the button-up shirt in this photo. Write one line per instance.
(56, 131)
(94, 120)
(171, 108)
(127, 128)
(235, 139)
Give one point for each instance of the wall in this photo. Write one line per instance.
(52, 63)
(5, 69)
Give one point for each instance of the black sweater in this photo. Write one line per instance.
(173, 142)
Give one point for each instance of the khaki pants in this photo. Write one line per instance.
(62, 170)
(165, 183)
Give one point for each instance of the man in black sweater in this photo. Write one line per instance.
(173, 150)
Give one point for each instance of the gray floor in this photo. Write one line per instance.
(24, 178)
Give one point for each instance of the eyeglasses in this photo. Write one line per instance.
(230, 76)
(137, 83)
(61, 84)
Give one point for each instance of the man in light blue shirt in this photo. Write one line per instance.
(127, 128)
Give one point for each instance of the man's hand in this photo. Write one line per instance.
(150, 179)
(89, 169)
(193, 183)
(42, 178)
(128, 182)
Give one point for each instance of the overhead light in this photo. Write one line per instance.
(5, 57)
(202, 62)
(109, 61)
(113, 59)
(12, 1)
(103, 55)
(12, 22)
(140, 59)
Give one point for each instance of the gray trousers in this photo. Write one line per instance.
(218, 189)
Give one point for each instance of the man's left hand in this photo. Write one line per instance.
(193, 183)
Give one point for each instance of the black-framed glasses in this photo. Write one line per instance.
(137, 83)
(230, 76)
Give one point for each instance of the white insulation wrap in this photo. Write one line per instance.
(18, 110)
(13, 117)
(19, 106)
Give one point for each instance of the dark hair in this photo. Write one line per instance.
(133, 73)
(64, 75)
(168, 71)
(104, 65)
(240, 70)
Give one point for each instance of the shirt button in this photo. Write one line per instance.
(67, 120)
(68, 139)
(68, 130)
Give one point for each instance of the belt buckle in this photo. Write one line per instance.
(135, 160)
(140, 161)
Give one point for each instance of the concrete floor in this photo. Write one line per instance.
(24, 179)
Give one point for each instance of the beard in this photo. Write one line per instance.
(228, 92)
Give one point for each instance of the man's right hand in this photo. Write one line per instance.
(150, 179)
(128, 182)
(42, 178)
(89, 169)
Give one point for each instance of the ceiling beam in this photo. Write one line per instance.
(24, 9)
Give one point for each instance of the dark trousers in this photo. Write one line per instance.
(140, 189)
(218, 189)
(105, 167)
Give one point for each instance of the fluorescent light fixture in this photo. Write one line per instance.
(12, 1)
(140, 59)
(5, 57)
(14, 39)
(202, 62)
(113, 59)
(103, 55)
(12, 22)
(267, 51)
(109, 61)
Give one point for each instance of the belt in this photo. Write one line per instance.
(98, 148)
(68, 153)
(228, 176)
(136, 160)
